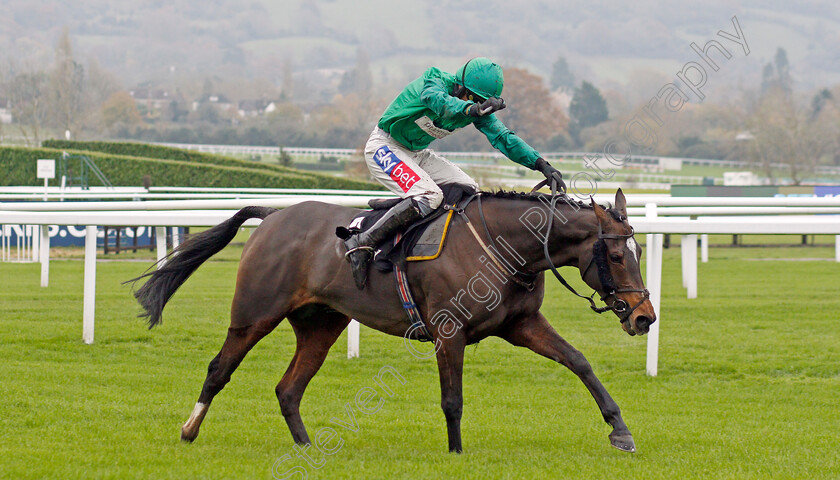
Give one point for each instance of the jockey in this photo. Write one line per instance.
(432, 107)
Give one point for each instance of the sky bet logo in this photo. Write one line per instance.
(395, 168)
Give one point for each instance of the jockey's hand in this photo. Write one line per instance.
(492, 104)
(550, 173)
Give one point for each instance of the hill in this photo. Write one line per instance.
(606, 41)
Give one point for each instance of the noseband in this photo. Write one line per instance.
(599, 257)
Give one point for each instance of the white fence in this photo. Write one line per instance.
(59, 194)
(25, 244)
(656, 227)
(162, 214)
(346, 152)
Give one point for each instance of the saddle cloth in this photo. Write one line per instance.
(430, 243)
(424, 240)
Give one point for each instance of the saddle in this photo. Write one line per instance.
(423, 240)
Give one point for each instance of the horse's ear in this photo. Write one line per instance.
(621, 202)
(600, 213)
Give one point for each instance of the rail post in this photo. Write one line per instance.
(160, 240)
(353, 339)
(654, 285)
(90, 284)
(837, 248)
(690, 265)
(45, 255)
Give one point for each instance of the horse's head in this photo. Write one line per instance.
(612, 268)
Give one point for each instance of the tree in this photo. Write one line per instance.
(288, 88)
(28, 96)
(286, 123)
(207, 87)
(783, 70)
(786, 135)
(66, 86)
(120, 110)
(358, 80)
(100, 84)
(284, 158)
(819, 102)
(176, 111)
(561, 76)
(588, 108)
(286, 116)
(767, 78)
(776, 75)
(207, 112)
(531, 109)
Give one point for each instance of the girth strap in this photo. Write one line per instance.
(404, 292)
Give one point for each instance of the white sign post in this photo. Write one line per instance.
(46, 170)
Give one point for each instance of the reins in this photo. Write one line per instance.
(527, 280)
(619, 306)
(554, 198)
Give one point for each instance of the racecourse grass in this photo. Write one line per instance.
(748, 385)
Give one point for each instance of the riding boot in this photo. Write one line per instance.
(360, 246)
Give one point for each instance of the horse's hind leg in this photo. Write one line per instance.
(316, 328)
(238, 343)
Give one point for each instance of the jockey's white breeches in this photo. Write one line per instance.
(411, 174)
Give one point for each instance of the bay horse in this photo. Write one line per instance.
(293, 267)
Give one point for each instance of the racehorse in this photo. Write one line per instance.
(487, 283)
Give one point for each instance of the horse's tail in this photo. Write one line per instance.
(179, 264)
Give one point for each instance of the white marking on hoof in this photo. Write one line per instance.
(197, 414)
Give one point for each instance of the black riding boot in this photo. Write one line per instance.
(360, 246)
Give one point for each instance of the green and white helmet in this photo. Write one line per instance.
(482, 77)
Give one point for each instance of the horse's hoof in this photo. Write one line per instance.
(623, 442)
(189, 430)
(187, 436)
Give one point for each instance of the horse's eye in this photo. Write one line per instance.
(616, 258)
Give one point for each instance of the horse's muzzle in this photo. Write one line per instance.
(643, 323)
(639, 324)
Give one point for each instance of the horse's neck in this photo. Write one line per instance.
(521, 224)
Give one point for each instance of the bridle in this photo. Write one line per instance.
(619, 306)
(528, 280)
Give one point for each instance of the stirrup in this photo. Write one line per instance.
(356, 249)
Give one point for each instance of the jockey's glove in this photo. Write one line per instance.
(492, 104)
(550, 173)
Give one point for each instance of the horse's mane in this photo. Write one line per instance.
(545, 198)
(530, 196)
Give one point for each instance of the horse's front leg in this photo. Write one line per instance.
(450, 359)
(536, 333)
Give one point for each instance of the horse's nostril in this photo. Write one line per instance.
(643, 322)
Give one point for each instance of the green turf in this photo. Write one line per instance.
(748, 385)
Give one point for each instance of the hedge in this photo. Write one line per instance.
(162, 152)
(18, 167)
